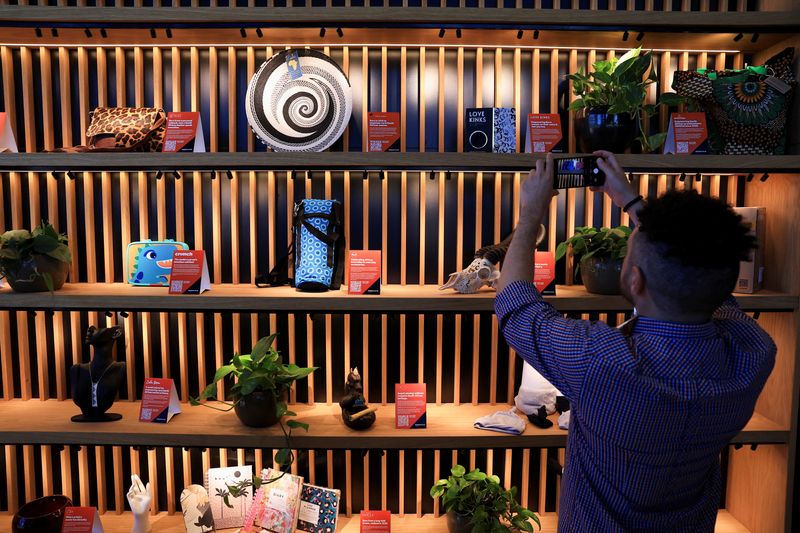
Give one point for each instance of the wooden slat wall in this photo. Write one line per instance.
(266, 213)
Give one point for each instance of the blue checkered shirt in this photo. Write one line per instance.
(650, 412)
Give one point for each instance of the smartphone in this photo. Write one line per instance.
(578, 172)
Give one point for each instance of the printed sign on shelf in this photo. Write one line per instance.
(7, 141)
(544, 133)
(184, 133)
(376, 522)
(544, 273)
(159, 401)
(410, 405)
(383, 132)
(81, 520)
(364, 272)
(687, 134)
(189, 272)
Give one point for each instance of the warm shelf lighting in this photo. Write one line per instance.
(258, 32)
(640, 36)
(103, 33)
(243, 33)
(458, 33)
(38, 32)
(519, 34)
(339, 32)
(625, 35)
(88, 33)
(169, 33)
(738, 38)
(535, 35)
(322, 32)
(153, 33)
(754, 38)
(441, 33)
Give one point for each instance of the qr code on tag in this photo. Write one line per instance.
(402, 421)
(538, 147)
(355, 286)
(176, 286)
(683, 148)
(147, 413)
(375, 146)
(170, 146)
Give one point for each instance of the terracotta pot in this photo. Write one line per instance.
(25, 279)
(601, 275)
(458, 523)
(595, 129)
(257, 409)
(43, 515)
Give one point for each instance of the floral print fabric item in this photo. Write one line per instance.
(319, 509)
(282, 499)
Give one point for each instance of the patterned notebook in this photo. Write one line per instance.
(282, 498)
(217, 481)
(319, 509)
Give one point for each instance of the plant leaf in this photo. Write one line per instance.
(297, 425)
(282, 456)
(458, 471)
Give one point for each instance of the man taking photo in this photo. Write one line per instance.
(655, 401)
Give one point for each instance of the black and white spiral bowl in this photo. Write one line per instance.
(304, 115)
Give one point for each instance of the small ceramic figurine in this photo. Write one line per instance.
(139, 498)
(483, 269)
(355, 411)
(197, 515)
(94, 385)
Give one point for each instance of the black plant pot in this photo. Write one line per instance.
(43, 515)
(458, 523)
(595, 129)
(601, 276)
(25, 279)
(257, 410)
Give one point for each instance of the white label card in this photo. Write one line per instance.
(277, 500)
(309, 512)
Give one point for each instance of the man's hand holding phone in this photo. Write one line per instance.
(617, 186)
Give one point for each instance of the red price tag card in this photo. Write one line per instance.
(81, 520)
(544, 133)
(544, 273)
(383, 132)
(376, 522)
(7, 142)
(189, 272)
(364, 272)
(184, 133)
(410, 405)
(159, 401)
(687, 134)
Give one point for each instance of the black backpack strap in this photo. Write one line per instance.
(338, 249)
(279, 275)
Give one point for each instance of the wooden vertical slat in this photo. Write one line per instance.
(100, 473)
(29, 480)
(23, 348)
(119, 505)
(83, 476)
(11, 477)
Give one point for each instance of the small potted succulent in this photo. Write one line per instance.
(610, 103)
(34, 261)
(477, 503)
(598, 256)
(262, 380)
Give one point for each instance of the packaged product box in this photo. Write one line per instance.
(751, 272)
(491, 129)
(319, 509)
(217, 481)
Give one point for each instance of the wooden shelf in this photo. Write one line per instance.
(708, 31)
(393, 298)
(164, 523)
(425, 161)
(449, 426)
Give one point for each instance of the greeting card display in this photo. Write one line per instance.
(491, 129)
(196, 508)
(189, 273)
(364, 272)
(282, 500)
(7, 141)
(544, 133)
(81, 520)
(410, 405)
(217, 481)
(159, 401)
(383, 132)
(687, 134)
(319, 509)
(184, 132)
(376, 522)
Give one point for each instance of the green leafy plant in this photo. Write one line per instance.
(490, 507)
(262, 370)
(619, 85)
(20, 245)
(588, 242)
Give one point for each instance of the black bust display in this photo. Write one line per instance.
(354, 402)
(94, 385)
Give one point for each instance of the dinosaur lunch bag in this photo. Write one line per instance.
(318, 245)
(149, 263)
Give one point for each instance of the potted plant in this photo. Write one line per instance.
(262, 380)
(610, 103)
(34, 261)
(476, 502)
(598, 255)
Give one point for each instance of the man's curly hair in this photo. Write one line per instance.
(691, 251)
